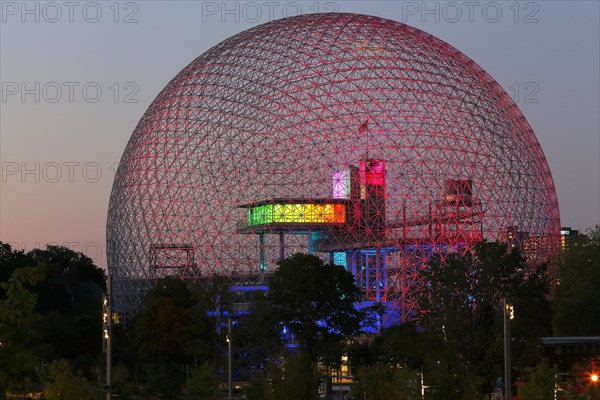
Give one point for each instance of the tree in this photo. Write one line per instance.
(316, 302)
(74, 284)
(463, 315)
(400, 345)
(17, 362)
(541, 384)
(387, 365)
(161, 331)
(67, 303)
(10, 260)
(212, 301)
(257, 333)
(63, 384)
(577, 300)
(203, 383)
(179, 324)
(383, 382)
(294, 379)
(257, 388)
(77, 265)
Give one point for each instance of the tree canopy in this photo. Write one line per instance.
(17, 362)
(50, 302)
(180, 326)
(63, 384)
(50, 310)
(577, 298)
(316, 301)
(459, 344)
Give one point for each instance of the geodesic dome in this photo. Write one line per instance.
(353, 137)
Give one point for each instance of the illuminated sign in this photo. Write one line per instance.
(296, 213)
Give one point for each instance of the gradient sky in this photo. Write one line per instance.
(61, 139)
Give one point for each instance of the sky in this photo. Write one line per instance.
(76, 77)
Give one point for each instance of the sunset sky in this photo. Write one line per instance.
(77, 77)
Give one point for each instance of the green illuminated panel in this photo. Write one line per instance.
(260, 215)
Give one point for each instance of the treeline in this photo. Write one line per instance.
(50, 310)
(291, 340)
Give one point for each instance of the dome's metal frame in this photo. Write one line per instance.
(275, 117)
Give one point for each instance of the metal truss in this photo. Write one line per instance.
(277, 111)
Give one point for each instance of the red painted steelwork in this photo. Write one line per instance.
(276, 110)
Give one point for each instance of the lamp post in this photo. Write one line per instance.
(229, 355)
(107, 335)
(508, 313)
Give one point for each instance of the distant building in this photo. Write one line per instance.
(567, 236)
(576, 359)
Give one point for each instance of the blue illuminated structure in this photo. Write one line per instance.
(352, 228)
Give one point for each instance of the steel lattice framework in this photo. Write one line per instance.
(360, 139)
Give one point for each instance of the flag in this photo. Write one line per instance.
(364, 127)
